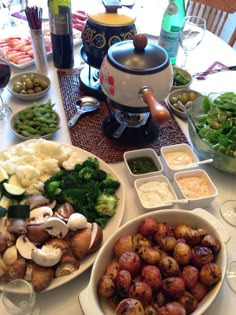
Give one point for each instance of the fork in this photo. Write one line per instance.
(214, 71)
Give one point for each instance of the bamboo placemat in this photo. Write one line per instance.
(87, 134)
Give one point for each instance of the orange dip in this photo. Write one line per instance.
(194, 187)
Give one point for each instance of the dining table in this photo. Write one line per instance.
(64, 299)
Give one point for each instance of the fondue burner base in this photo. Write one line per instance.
(123, 133)
(89, 83)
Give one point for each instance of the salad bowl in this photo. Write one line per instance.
(212, 129)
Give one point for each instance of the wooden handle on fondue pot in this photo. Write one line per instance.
(159, 113)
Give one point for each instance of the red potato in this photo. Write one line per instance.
(173, 287)
(172, 308)
(201, 255)
(195, 236)
(123, 282)
(152, 276)
(141, 241)
(149, 255)
(182, 230)
(131, 262)
(148, 227)
(123, 244)
(212, 242)
(112, 269)
(163, 229)
(106, 286)
(167, 243)
(182, 253)
(210, 274)
(150, 310)
(130, 307)
(199, 291)
(190, 275)
(169, 267)
(141, 291)
(189, 302)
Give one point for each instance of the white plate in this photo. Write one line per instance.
(111, 226)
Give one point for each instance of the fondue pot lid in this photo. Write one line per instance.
(112, 14)
(138, 56)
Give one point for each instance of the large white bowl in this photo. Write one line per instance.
(89, 299)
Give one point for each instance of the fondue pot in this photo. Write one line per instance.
(112, 24)
(136, 75)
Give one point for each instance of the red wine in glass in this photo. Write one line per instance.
(5, 73)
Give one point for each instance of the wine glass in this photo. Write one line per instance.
(5, 73)
(19, 298)
(228, 211)
(191, 34)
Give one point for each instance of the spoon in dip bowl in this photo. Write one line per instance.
(171, 202)
(199, 163)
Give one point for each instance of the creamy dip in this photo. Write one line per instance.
(194, 187)
(154, 193)
(178, 159)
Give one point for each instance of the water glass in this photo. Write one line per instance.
(18, 297)
(39, 50)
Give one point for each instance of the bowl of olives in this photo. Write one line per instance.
(29, 86)
(180, 100)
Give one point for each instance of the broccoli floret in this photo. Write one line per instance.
(52, 189)
(75, 197)
(106, 204)
(72, 180)
(110, 182)
(100, 175)
(87, 173)
(91, 162)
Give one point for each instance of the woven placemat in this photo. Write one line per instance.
(87, 134)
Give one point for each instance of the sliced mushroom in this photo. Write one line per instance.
(37, 201)
(36, 234)
(16, 270)
(17, 226)
(41, 277)
(59, 243)
(28, 272)
(67, 265)
(77, 221)
(47, 256)
(10, 237)
(39, 215)
(64, 211)
(25, 246)
(10, 255)
(55, 227)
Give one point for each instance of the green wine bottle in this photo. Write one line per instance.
(172, 23)
(61, 33)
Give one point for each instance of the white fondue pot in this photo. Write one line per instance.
(137, 75)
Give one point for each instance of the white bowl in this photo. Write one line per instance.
(22, 137)
(154, 192)
(141, 153)
(186, 74)
(89, 300)
(200, 201)
(184, 150)
(29, 97)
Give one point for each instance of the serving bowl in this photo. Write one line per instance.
(182, 78)
(221, 161)
(142, 163)
(89, 299)
(154, 192)
(196, 186)
(29, 86)
(181, 96)
(43, 129)
(176, 158)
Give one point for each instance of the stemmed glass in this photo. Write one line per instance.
(19, 298)
(192, 34)
(228, 212)
(5, 73)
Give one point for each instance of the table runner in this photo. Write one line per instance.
(87, 134)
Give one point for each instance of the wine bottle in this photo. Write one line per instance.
(61, 33)
(172, 23)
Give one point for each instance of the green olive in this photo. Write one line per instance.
(23, 92)
(31, 76)
(173, 100)
(192, 96)
(23, 78)
(43, 84)
(17, 87)
(29, 83)
(38, 89)
(30, 91)
(36, 82)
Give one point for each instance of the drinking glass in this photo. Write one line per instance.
(192, 34)
(10, 20)
(19, 298)
(228, 211)
(5, 73)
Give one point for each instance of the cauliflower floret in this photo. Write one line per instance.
(72, 161)
(47, 166)
(27, 174)
(35, 188)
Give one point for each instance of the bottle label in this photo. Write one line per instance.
(59, 24)
(170, 42)
(172, 9)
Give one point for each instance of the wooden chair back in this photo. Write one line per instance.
(215, 12)
(232, 40)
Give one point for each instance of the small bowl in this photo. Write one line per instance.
(154, 192)
(187, 190)
(22, 137)
(29, 97)
(177, 84)
(189, 157)
(186, 96)
(140, 154)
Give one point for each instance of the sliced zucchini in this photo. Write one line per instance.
(3, 212)
(12, 191)
(6, 202)
(13, 180)
(3, 175)
(18, 212)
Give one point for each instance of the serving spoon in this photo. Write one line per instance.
(199, 163)
(170, 202)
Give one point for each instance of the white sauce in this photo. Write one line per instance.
(178, 159)
(154, 193)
